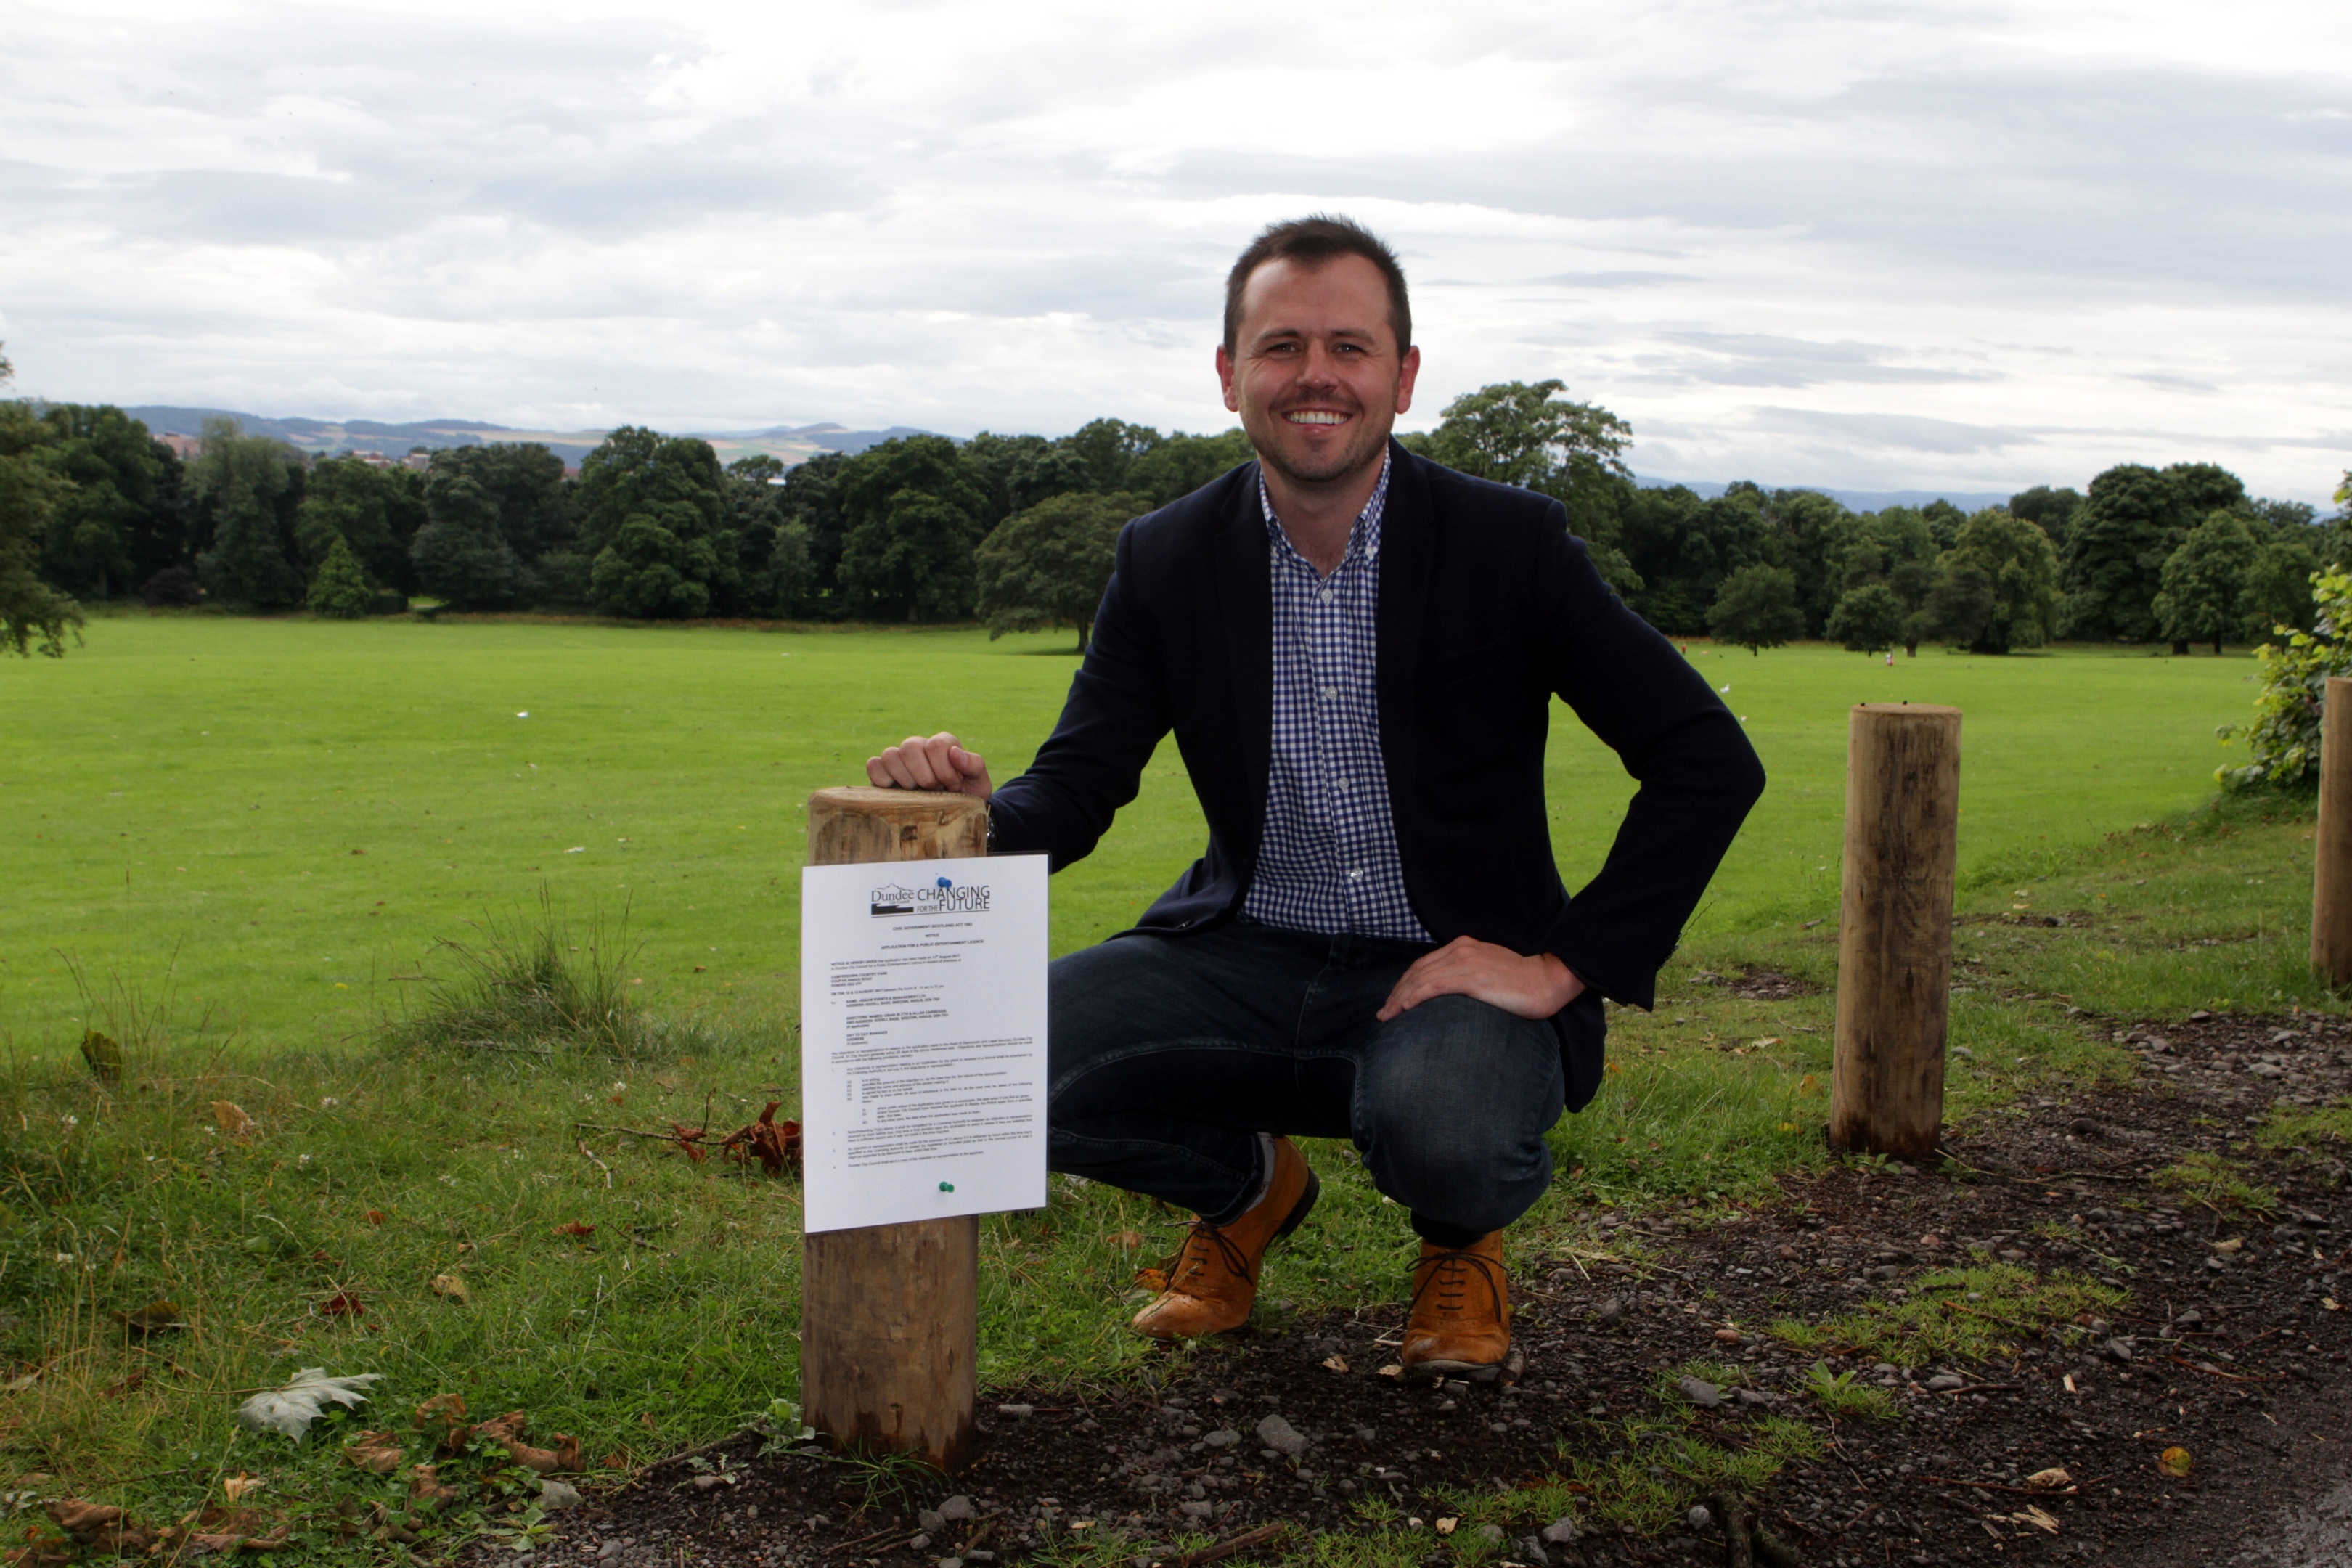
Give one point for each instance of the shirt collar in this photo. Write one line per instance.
(1363, 538)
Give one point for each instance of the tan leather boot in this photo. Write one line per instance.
(1460, 1322)
(1213, 1280)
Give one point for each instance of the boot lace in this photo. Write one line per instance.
(1205, 1243)
(1450, 1273)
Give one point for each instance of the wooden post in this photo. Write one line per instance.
(2331, 848)
(1894, 933)
(890, 1313)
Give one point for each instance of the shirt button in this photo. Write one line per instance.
(1329, 692)
(1355, 875)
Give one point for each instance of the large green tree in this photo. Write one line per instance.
(2021, 567)
(2050, 511)
(1048, 567)
(1182, 463)
(2204, 582)
(912, 560)
(1868, 618)
(115, 523)
(1684, 548)
(1526, 434)
(355, 501)
(653, 511)
(32, 614)
(247, 487)
(2129, 524)
(1757, 609)
(912, 515)
(462, 556)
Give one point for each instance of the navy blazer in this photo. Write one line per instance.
(1488, 608)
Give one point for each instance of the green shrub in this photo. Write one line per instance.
(341, 589)
(2283, 743)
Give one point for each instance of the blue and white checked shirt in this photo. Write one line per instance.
(1328, 860)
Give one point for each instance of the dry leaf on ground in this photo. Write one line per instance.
(375, 1452)
(236, 1487)
(2050, 1479)
(575, 1229)
(775, 1144)
(290, 1409)
(449, 1285)
(100, 1524)
(342, 1304)
(427, 1487)
(231, 1119)
(442, 1419)
(2174, 1462)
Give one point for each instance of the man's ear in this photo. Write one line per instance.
(1226, 379)
(1408, 371)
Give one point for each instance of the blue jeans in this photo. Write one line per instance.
(1169, 1055)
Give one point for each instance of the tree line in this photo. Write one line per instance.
(1018, 530)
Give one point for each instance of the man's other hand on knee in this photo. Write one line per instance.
(933, 762)
(1528, 987)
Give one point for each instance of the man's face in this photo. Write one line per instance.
(1315, 370)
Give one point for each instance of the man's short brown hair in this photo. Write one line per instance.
(1312, 241)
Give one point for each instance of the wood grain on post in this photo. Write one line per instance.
(2331, 870)
(1894, 932)
(890, 1313)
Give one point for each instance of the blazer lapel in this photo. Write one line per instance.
(1408, 536)
(1246, 606)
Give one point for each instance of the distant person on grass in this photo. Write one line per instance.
(1357, 650)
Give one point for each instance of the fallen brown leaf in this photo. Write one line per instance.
(231, 1120)
(375, 1452)
(2050, 1479)
(449, 1285)
(237, 1487)
(775, 1144)
(154, 1317)
(2174, 1462)
(101, 1525)
(342, 1304)
(504, 1430)
(442, 1419)
(426, 1487)
(575, 1229)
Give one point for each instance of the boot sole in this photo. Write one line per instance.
(1507, 1371)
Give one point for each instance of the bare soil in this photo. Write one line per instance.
(2237, 1355)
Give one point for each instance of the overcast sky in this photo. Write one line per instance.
(1824, 242)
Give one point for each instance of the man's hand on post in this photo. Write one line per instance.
(1533, 987)
(936, 761)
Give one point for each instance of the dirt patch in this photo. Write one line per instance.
(2233, 1348)
(1758, 984)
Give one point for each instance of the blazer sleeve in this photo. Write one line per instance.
(1697, 772)
(1093, 762)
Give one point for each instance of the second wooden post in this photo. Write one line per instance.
(2331, 847)
(890, 1313)
(1894, 933)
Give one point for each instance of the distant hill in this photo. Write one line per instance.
(790, 443)
(1854, 501)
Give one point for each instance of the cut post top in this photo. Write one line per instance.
(1917, 709)
(858, 823)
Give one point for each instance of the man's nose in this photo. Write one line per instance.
(1321, 367)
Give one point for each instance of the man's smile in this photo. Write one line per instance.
(1316, 416)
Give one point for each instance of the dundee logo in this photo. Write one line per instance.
(942, 898)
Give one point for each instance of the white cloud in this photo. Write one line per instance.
(1967, 244)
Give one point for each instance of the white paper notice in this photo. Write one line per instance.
(922, 1040)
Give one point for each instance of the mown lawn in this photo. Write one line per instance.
(185, 798)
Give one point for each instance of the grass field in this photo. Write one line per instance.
(284, 814)
(185, 798)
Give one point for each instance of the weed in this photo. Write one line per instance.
(1839, 1394)
(2300, 1131)
(525, 987)
(2218, 1183)
(1966, 1314)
